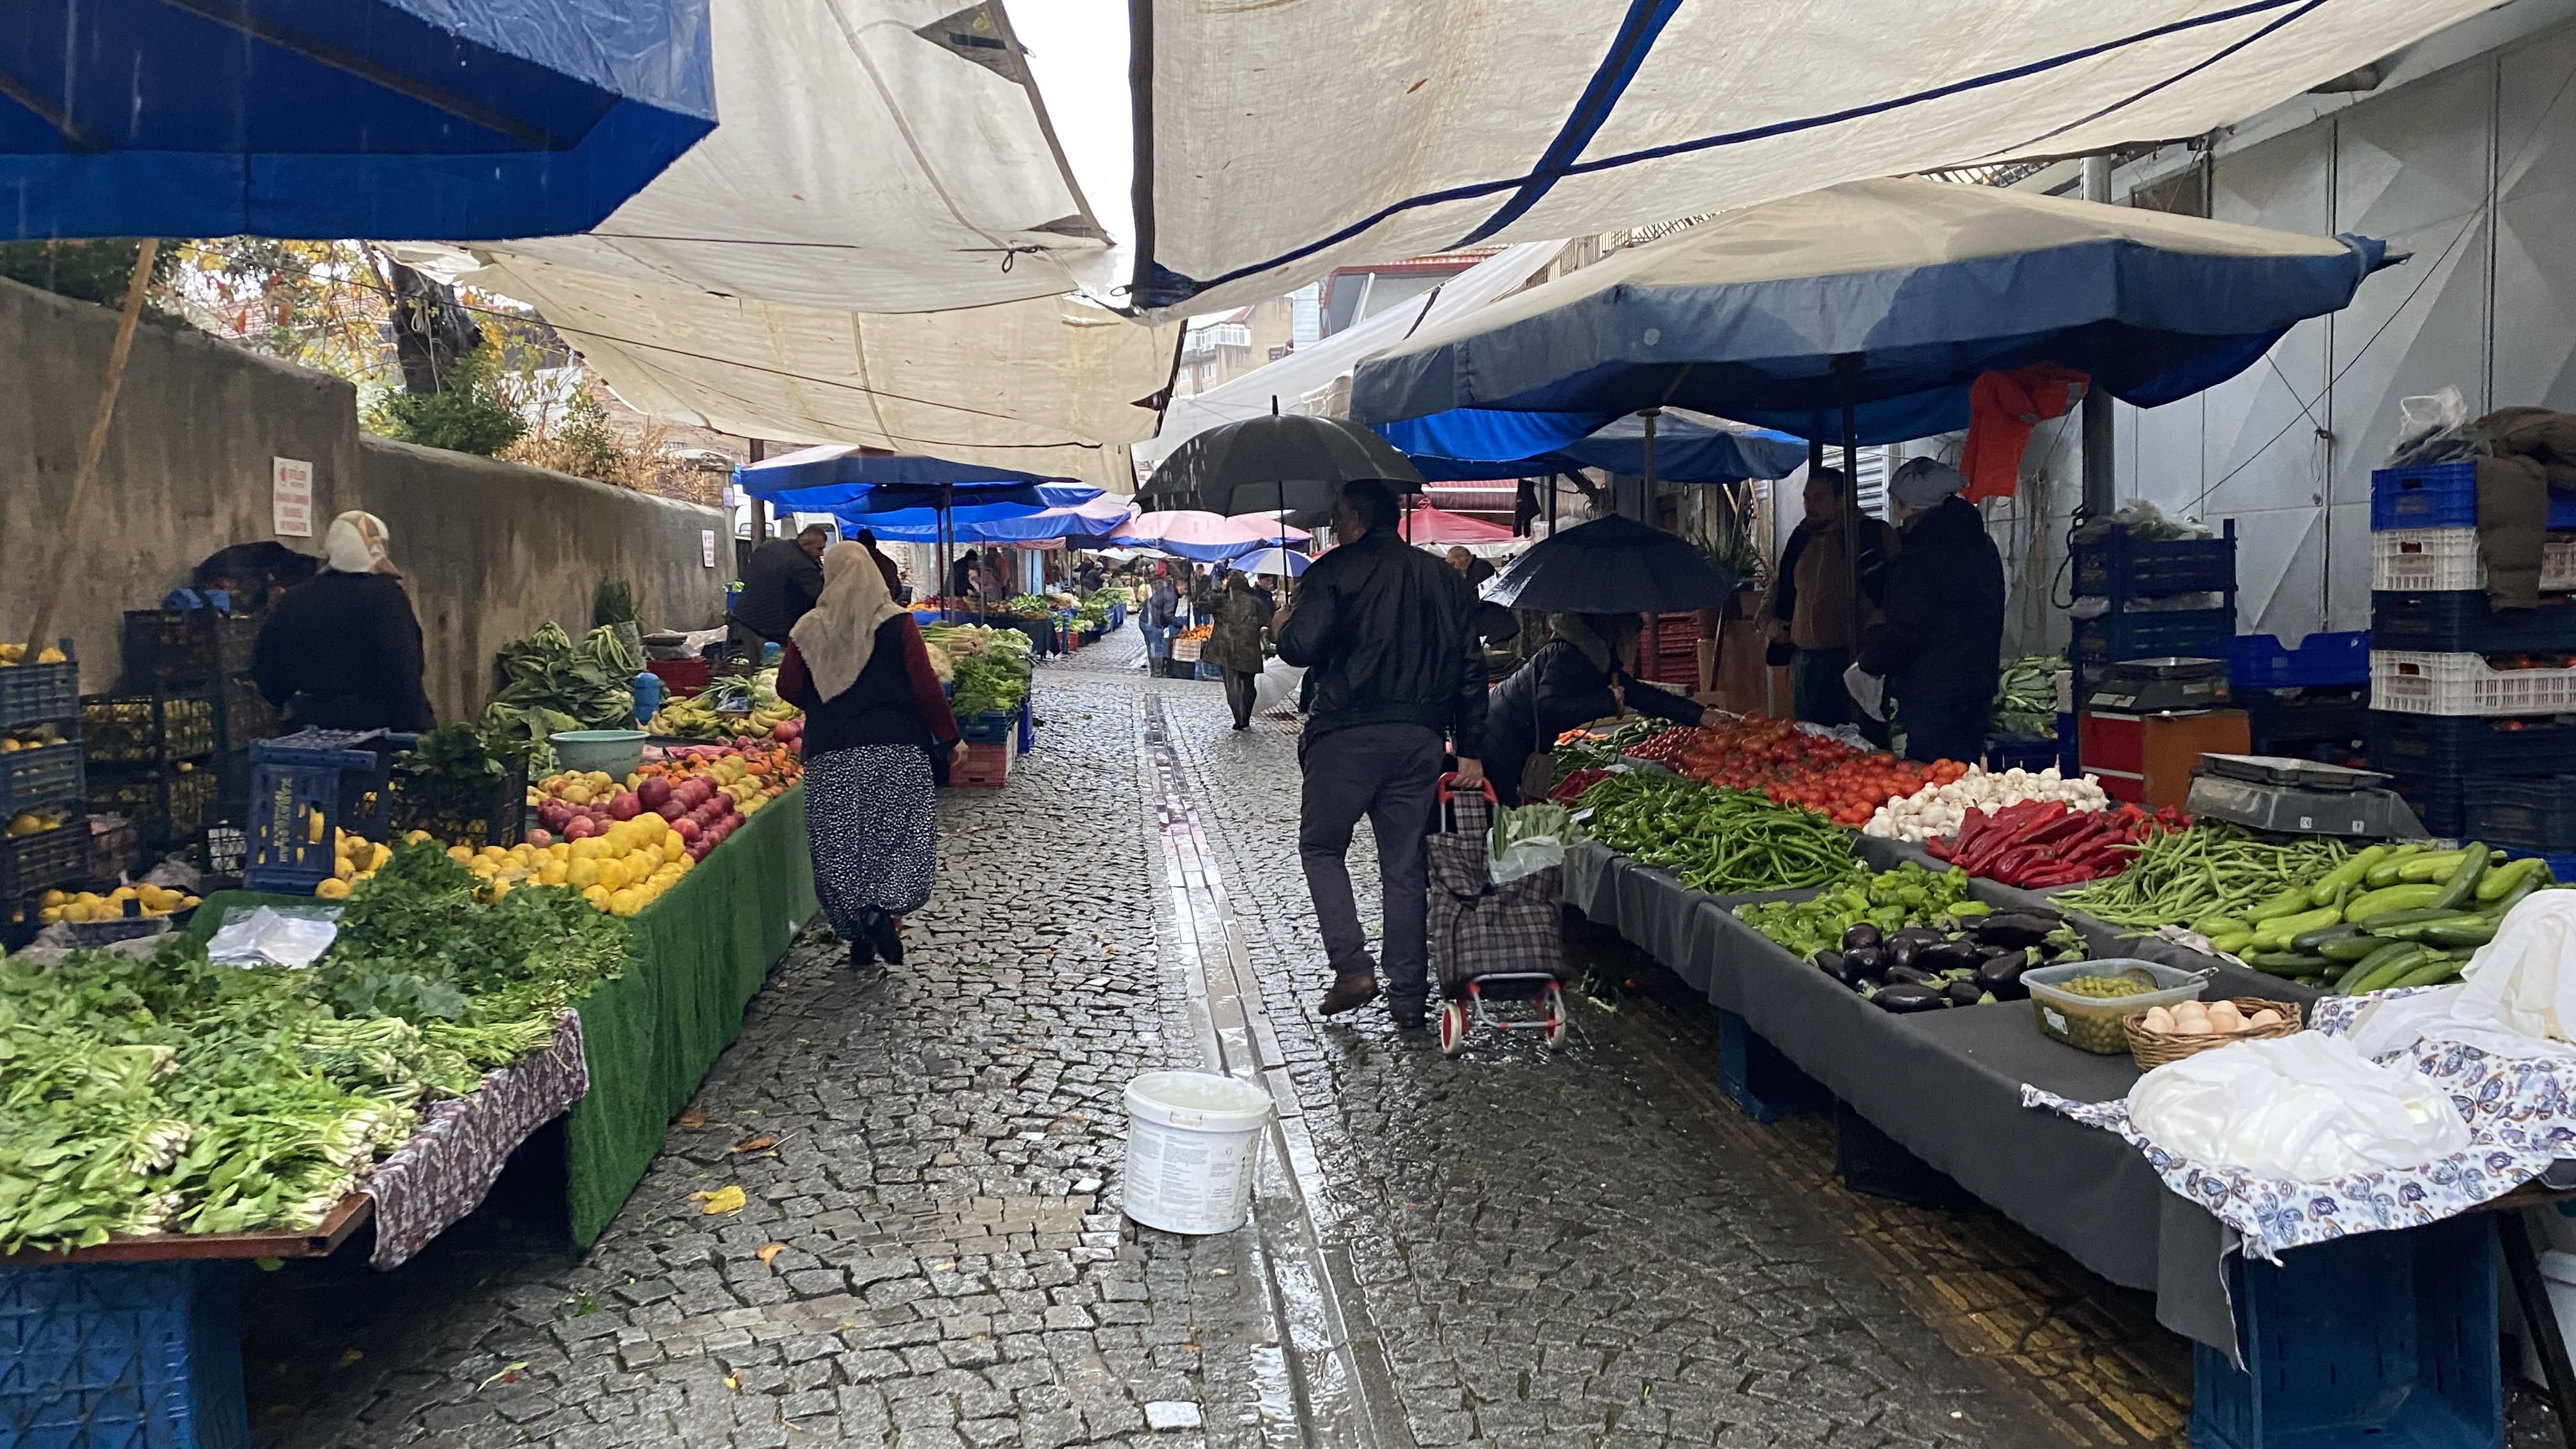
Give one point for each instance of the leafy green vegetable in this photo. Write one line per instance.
(550, 684)
(450, 769)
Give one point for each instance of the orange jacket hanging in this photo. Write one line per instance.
(2002, 409)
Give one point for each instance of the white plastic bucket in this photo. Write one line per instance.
(1191, 1141)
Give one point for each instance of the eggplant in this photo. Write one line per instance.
(1948, 956)
(1859, 934)
(1909, 976)
(2014, 929)
(1920, 935)
(1869, 961)
(1964, 993)
(1910, 998)
(1840, 967)
(2002, 976)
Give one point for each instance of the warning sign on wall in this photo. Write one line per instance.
(291, 494)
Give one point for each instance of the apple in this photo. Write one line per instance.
(553, 814)
(581, 827)
(669, 809)
(689, 828)
(540, 839)
(699, 847)
(653, 792)
(624, 805)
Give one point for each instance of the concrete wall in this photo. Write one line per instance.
(490, 549)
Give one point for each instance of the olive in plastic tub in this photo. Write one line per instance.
(2091, 1017)
(1191, 1141)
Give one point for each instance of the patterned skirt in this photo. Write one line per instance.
(872, 824)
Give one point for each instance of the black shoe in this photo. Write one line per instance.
(886, 936)
(1351, 990)
(862, 955)
(1413, 1017)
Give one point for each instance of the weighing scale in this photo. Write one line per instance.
(2142, 727)
(2300, 797)
(2169, 685)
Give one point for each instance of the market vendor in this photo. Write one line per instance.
(1942, 598)
(343, 652)
(1811, 603)
(780, 582)
(1579, 675)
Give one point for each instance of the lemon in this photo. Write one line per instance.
(612, 875)
(595, 896)
(554, 873)
(333, 890)
(583, 873)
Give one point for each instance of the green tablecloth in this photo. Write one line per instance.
(699, 954)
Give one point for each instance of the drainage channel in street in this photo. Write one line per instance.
(1326, 1383)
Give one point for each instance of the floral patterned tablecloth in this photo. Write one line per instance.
(443, 1171)
(2521, 1114)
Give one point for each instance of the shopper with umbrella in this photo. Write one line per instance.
(1943, 601)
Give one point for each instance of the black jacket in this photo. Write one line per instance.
(1382, 630)
(343, 653)
(779, 583)
(1560, 687)
(1943, 597)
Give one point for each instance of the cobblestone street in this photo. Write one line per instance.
(1516, 1247)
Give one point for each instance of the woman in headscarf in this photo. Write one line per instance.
(875, 722)
(343, 651)
(1234, 644)
(1942, 596)
(1578, 676)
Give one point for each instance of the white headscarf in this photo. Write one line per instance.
(1922, 483)
(838, 634)
(357, 544)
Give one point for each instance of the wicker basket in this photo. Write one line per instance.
(2152, 1049)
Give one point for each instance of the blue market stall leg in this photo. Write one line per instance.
(1755, 1076)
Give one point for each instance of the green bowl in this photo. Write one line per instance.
(612, 752)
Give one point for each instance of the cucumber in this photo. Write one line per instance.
(2379, 978)
(2463, 878)
(2287, 928)
(2474, 931)
(2386, 919)
(2369, 966)
(2309, 941)
(2286, 963)
(2348, 873)
(2385, 872)
(2288, 902)
(2217, 926)
(2230, 944)
(2391, 898)
(2505, 877)
(2414, 930)
(2431, 973)
(2437, 866)
(2350, 948)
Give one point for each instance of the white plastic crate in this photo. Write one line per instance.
(2431, 560)
(2409, 682)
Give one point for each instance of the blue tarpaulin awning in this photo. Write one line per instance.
(418, 119)
(1467, 443)
(837, 479)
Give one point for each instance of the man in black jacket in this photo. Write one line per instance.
(780, 581)
(1943, 597)
(1383, 631)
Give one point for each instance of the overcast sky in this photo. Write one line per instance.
(1078, 52)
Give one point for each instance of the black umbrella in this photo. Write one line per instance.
(1612, 565)
(1283, 462)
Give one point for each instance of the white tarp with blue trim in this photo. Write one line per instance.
(1286, 140)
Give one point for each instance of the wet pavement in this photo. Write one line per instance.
(1518, 1247)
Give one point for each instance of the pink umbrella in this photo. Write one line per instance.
(1427, 525)
(1191, 534)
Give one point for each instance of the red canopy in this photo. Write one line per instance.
(1425, 524)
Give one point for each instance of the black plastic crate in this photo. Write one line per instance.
(173, 646)
(153, 728)
(2293, 722)
(2533, 814)
(2123, 566)
(2461, 622)
(32, 863)
(243, 714)
(2468, 747)
(2154, 634)
(41, 775)
(35, 693)
(500, 820)
(167, 803)
(115, 847)
(2437, 802)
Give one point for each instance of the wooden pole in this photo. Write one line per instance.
(49, 593)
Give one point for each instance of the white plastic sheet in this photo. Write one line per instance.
(1365, 131)
(2305, 1107)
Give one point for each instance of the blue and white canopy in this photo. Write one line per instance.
(1925, 284)
(334, 118)
(1468, 443)
(851, 482)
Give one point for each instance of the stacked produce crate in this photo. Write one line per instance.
(170, 749)
(44, 828)
(2473, 711)
(2310, 700)
(2150, 591)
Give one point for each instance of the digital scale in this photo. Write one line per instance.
(2169, 685)
(2300, 797)
(2142, 728)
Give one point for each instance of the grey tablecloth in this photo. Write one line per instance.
(1947, 1085)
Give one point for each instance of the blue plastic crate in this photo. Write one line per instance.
(2463, 622)
(1758, 1077)
(51, 775)
(2387, 1339)
(347, 776)
(2535, 815)
(130, 1355)
(1028, 727)
(2441, 495)
(989, 728)
(2122, 566)
(2320, 661)
(2562, 868)
(2148, 634)
(2471, 747)
(35, 693)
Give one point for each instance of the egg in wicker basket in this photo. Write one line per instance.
(2239, 1019)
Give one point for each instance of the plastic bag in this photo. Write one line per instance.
(1528, 839)
(2434, 428)
(1275, 688)
(2145, 522)
(264, 936)
(2305, 1107)
(1869, 691)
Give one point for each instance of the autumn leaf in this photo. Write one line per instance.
(509, 1374)
(756, 1144)
(732, 1384)
(770, 1250)
(349, 1356)
(693, 1119)
(728, 1200)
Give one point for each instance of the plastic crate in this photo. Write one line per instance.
(132, 1355)
(2409, 682)
(2149, 634)
(991, 727)
(186, 645)
(223, 849)
(2470, 747)
(243, 715)
(679, 676)
(344, 777)
(115, 847)
(47, 775)
(1209, 671)
(152, 728)
(2436, 801)
(2431, 560)
(2442, 495)
(2463, 622)
(501, 820)
(2319, 661)
(37, 693)
(2387, 1339)
(2533, 814)
(2006, 753)
(32, 863)
(1027, 738)
(167, 803)
(1186, 651)
(2122, 566)
(2295, 722)
(985, 766)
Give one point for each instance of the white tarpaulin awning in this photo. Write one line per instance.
(1050, 385)
(1369, 131)
(1308, 370)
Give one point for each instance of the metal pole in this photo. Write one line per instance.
(759, 506)
(1847, 371)
(2100, 487)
